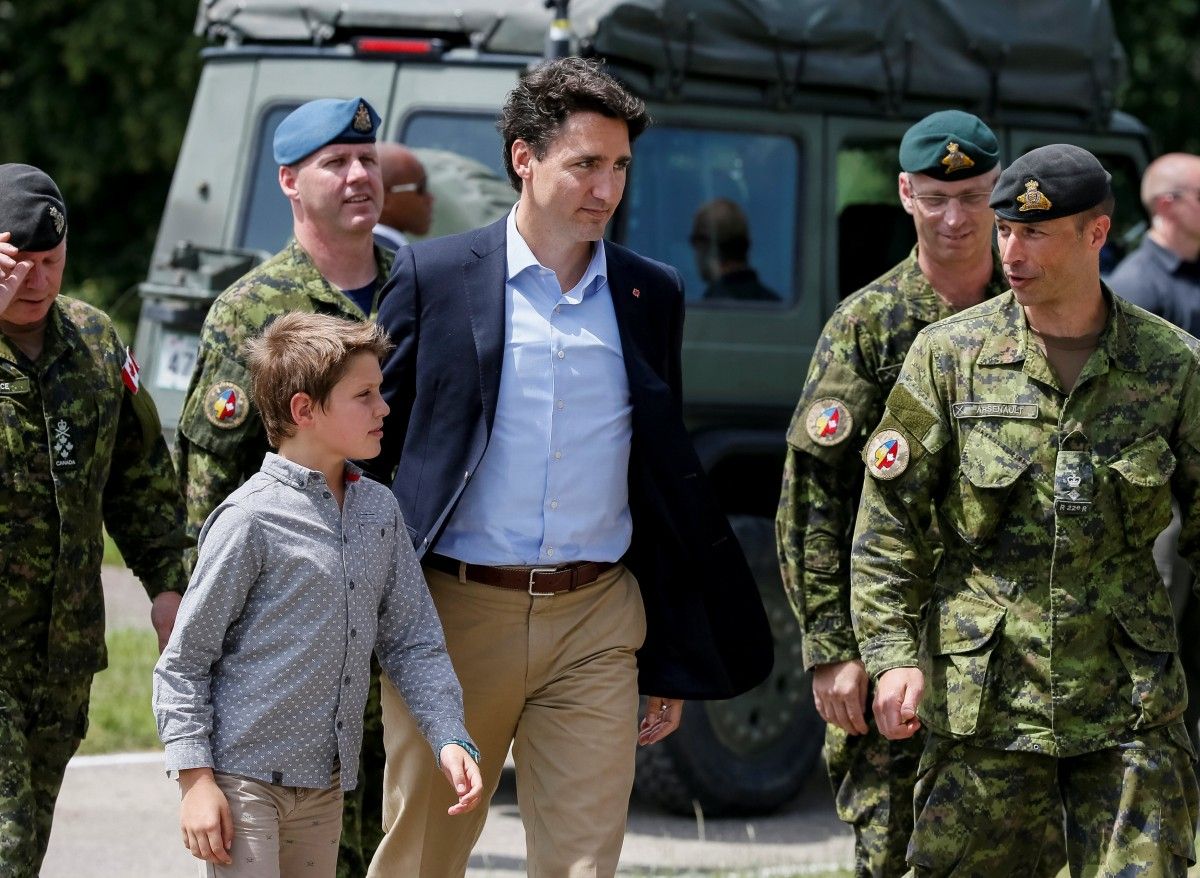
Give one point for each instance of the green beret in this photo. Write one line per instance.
(318, 123)
(949, 145)
(1050, 182)
(31, 208)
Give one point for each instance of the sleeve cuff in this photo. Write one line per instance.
(881, 654)
(466, 745)
(828, 648)
(179, 755)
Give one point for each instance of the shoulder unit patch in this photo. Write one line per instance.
(887, 454)
(226, 405)
(828, 421)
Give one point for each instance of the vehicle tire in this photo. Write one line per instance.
(750, 754)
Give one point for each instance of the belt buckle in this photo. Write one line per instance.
(533, 571)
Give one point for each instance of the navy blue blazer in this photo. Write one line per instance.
(443, 307)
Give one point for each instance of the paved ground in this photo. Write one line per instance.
(117, 818)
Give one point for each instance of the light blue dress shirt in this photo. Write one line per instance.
(552, 486)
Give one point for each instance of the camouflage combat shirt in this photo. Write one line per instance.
(221, 441)
(1048, 628)
(78, 452)
(854, 366)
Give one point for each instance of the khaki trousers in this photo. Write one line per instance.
(278, 831)
(555, 677)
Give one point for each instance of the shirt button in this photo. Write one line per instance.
(553, 504)
(558, 455)
(347, 681)
(550, 551)
(353, 632)
(558, 309)
(339, 725)
(561, 354)
(561, 405)
(326, 494)
(352, 585)
(345, 539)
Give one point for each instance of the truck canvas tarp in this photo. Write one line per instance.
(985, 53)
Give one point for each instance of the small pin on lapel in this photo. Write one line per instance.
(636, 292)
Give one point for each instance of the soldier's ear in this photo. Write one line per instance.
(287, 181)
(904, 188)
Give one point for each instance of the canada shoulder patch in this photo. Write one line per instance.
(887, 454)
(828, 421)
(226, 405)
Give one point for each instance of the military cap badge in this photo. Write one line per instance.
(828, 421)
(887, 454)
(955, 160)
(58, 219)
(362, 119)
(1034, 198)
(226, 405)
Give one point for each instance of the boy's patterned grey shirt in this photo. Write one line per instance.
(267, 670)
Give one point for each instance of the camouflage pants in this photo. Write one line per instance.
(1130, 810)
(41, 725)
(873, 780)
(362, 809)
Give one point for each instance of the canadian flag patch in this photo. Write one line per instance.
(130, 371)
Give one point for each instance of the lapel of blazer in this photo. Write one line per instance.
(483, 281)
(628, 307)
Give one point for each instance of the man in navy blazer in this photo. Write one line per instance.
(569, 537)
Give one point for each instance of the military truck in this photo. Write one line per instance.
(792, 111)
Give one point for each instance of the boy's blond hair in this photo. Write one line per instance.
(304, 353)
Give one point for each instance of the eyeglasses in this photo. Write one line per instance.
(420, 188)
(968, 201)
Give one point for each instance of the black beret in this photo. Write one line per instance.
(1050, 182)
(318, 123)
(949, 144)
(31, 208)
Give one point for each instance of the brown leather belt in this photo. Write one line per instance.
(538, 581)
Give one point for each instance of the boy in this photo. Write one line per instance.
(259, 695)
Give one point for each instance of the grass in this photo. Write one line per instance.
(120, 719)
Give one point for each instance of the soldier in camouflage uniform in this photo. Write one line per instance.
(1044, 433)
(329, 171)
(80, 449)
(949, 165)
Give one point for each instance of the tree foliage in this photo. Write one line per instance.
(97, 93)
(1164, 68)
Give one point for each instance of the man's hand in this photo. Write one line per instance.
(840, 693)
(897, 694)
(204, 817)
(462, 772)
(163, 610)
(663, 716)
(12, 272)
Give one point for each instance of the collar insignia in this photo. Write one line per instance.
(1034, 198)
(955, 160)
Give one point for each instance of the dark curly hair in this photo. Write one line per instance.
(550, 92)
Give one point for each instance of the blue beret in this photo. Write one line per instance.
(31, 208)
(950, 145)
(317, 123)
(1050, 182)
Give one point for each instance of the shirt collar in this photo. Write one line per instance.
(298, 476)
(520, 258)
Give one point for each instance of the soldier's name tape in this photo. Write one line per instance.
(828, 421)
(1024, 411)
(887, 454)
(12, 388)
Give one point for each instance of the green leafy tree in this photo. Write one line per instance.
(97, 93)
(1164, 68)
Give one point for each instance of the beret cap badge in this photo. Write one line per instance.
(362, 119)
(1034, 198)
(57, 218)
(955, 160)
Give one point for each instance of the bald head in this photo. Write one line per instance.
(410, 209)
(1168, 175)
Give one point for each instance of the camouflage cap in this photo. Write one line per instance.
(318, 123)
(950, 145)
(1050, 182)
(31, 208)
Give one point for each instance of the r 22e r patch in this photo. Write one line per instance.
(887, 454)
(828, 421)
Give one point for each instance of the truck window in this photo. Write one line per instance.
(721, 207)
(874, 232)
(473, 135)
(267, 217)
